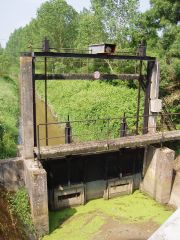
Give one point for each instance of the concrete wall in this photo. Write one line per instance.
(175, 194)
(158, 172)
(12, 173)
(170, 230)
(36, 183)
(95, 189)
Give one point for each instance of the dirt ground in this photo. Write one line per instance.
(114, 230)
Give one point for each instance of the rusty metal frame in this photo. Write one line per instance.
(45, 77)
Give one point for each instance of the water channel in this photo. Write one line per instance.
(55, 132)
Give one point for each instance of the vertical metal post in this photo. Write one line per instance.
(68, 132)
(144, 161)
(108, 130)
(45, 100)
(85, 170)
(106, 178)
(139, 98)
(123, 127)
(38, 142)
(69, 171)
(34, 101)
(147, 96)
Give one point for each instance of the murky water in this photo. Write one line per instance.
(55, 132)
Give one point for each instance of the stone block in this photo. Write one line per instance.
(148, 184)
(158, 172)
(164, 175)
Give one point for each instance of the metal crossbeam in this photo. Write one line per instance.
(87, 55)
(87, 77)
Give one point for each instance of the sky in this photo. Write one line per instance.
(17, 13)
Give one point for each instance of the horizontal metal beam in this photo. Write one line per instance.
(87, 55)
(87, 77)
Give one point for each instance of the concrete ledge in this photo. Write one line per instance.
(170, 230)
(94, 147)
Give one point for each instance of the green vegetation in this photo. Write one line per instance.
(106, 21)
(19, 203)
(84, 221)
(10, 226)
(111, 21)
(9, 112)
(91, 100)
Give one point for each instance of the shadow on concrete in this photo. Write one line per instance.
(57, 218)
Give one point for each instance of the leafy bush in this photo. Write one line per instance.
(20, 205)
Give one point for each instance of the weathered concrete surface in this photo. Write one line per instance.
(95, 189)
(170, 230)
(175, 194)
(164, 174)
(117, 187)
(36, 183)
(67, 196)
(26, 86)
(154, 94)
(158, 170)
(94, 147)
(12, 173)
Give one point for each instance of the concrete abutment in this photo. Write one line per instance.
(36, 183)
(158, 173)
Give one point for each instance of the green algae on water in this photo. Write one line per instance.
(83, 222)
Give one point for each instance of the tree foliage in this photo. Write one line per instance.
(118, 17)
(90, 28)
(58, 21)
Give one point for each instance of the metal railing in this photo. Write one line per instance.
(103, 129)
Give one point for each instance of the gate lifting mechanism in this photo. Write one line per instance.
(101, 52)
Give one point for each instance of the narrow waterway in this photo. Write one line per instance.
(55, 132)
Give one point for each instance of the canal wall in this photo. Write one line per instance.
(12, 173)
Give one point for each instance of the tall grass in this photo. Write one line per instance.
(9, 112)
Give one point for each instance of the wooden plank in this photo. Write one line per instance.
(95, 147)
